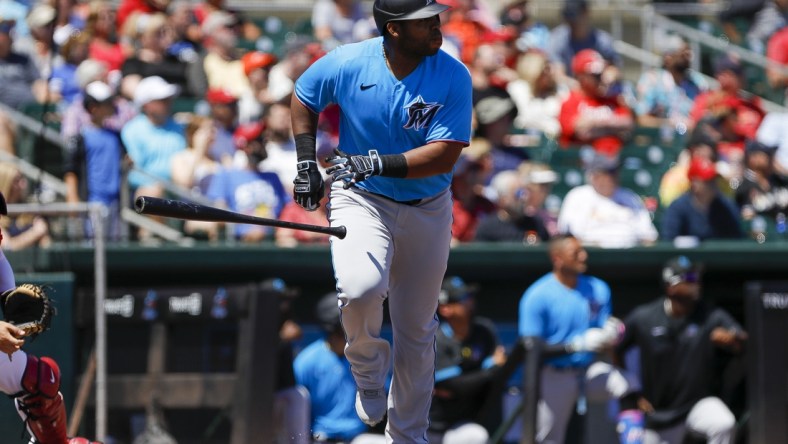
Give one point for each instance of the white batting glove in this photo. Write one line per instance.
(593, 340)
(615, 328)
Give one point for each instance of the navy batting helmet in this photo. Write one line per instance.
(385, 11)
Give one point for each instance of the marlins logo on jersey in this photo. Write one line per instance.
(420, 113)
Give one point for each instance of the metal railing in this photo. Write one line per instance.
(97, 214)
(58, 186)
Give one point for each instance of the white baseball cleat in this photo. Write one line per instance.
(371, 405)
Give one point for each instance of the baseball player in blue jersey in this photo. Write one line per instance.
(405, 117)
(566, 306)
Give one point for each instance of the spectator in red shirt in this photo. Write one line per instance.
(590, 115)
(735, 114)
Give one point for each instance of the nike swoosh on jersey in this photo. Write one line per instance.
(366, 87)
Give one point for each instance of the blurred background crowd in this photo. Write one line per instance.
(190, 100)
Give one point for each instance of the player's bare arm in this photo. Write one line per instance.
(432, 158)
(303, 119)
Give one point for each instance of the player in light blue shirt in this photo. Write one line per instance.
(405, 118)
(566, 306)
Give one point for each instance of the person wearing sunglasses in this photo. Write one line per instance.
(681, 339)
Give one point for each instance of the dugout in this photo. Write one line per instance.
(502, 271)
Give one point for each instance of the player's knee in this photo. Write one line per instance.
(362, 291)
(41, 377)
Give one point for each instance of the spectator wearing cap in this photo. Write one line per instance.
(680, 337)
(153, 136)
(247, 29)
(538, 179)
(19, 75)
(470, 203)
(468, 354)
(337, 22)
(224, 112)
(324, 370)
(103, 35)
(590, 115)
(763, 192)
(245, 189)
(150, 58)
(128, 8)
(64, 84)
(219, 64)
(666, 94)
(510, 222)
(577, 34)
(494, 110)
(257, 66)
(702, 144)
(93, 159)
(75, 116)
(537, 94)
(703, 212)
(602, 213)
(43, 50)
(735, 114)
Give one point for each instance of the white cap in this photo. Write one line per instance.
(154, 88)
(216, 20)
(99, 91)
(89, 71)
(41, 15)
(542, 176)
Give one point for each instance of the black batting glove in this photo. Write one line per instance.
(352, 169)
(309, 185)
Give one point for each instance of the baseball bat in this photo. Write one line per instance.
(191, 211)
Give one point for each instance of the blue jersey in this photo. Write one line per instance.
(558, 314)
(433, 103)
(332, 391)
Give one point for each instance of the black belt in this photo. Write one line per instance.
(412, 202)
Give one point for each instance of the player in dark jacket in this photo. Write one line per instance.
(679, 337)
(468, 353)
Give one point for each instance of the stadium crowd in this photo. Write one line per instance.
(195, 94)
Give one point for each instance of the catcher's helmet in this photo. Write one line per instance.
(385, 11)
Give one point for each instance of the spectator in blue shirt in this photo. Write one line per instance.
(577, 34)
(702, 212)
